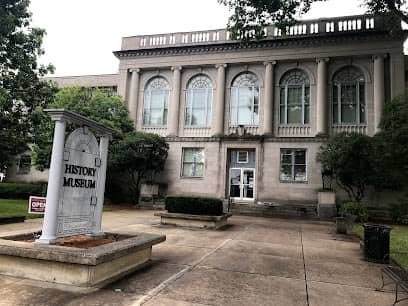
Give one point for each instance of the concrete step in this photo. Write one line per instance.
(287, 210)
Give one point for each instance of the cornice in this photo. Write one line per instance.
(282, 42)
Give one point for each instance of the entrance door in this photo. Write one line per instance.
(242, 183)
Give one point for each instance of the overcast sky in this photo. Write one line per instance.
(81, 34)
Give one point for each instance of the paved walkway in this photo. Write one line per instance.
(255, 261)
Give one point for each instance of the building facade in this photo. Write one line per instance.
(245, 120)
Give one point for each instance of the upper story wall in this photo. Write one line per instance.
(103, 81)
(318, 49)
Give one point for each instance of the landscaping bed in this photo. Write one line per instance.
(196, 212)
(398, 243)
(196, 221)
(93, 266)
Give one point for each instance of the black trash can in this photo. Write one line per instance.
(377, 243)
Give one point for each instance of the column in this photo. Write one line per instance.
(134, 94)
(268, 100)
(218, 113)
(321, 101)
(100, 191)
(49, 230)
(397, 72)
(379, 90)
(173, 119)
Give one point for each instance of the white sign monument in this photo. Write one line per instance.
(76, 182)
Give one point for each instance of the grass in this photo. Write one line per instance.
(398, 243)
(12, 208)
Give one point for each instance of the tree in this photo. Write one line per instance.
(349, 157)
(101, 106)
(249, 17)
(139, 156)
(21, 86)
(393, 140)
(133, 156)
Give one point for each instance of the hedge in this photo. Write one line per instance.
(194, 206)
(21, 190)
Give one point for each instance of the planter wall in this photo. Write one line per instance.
(195, 221)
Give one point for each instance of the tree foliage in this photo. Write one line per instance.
(133, 156)
(138, 156)
(349, 157)
(21, 86)
(249, 17)
(393, 139)
(101, 106)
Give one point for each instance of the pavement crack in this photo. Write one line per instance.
(304, 267)
(155, 291)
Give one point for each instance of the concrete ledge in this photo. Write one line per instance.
(195, 221)
(92, 267)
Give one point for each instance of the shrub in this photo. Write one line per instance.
(21, 190)
(399, 212)
(356, 209)
(194, 206)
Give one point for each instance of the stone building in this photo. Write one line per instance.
(245, 120)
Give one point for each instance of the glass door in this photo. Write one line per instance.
(242, 183)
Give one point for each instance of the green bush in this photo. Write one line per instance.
(399, 212)
(21, 190)
(194, 206)
(354, 208)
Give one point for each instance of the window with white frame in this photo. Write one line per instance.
(156, 102)
(242, 157)
(293, 165)
(295, 98)
(349, 106)
(244, 106)
(193, 162)
(199, 97)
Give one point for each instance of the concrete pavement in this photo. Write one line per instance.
(254, 261)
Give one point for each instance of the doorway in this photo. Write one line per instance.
(242, 183)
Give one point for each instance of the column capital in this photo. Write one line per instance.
(221, 66)
(137, 70)
(273, 63)
(176, 68)
(379, 56)
(322, 59)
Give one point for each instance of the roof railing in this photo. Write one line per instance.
(360, 23)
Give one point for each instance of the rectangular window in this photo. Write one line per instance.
(293, 165)
(244, 106)
(242, 157)
(24, 165)
(155, 108)
(193, 162)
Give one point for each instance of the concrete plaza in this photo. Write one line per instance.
(254, 261)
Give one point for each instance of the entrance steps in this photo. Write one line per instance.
(280, 210)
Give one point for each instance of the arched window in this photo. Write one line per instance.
(156, 102)
(349, 97)
(295, 98)
(244, 106)
(199, 96)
